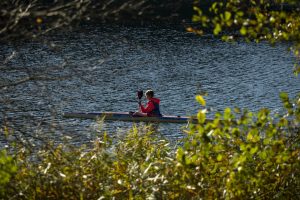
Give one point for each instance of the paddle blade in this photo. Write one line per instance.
(140, 94)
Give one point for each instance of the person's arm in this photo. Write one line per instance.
(148, 108)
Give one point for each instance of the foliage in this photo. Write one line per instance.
(274, 21)
(32, 18)
(248, 156)
(236, 155)
(135, 166)
(7, 169)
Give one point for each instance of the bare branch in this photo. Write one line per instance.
(34, 78)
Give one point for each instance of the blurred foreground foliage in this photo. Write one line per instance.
(236, 155)
(254, 20)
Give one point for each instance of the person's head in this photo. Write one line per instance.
(149, 94)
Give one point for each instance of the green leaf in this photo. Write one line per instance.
(253, 136)
(240, 13)
(201, 100)
(272, 19)
(263, 155)
(198, 10)
(217, 29)
(254, 150)
(267, 141)
(214, 5)
(191, 160)
(219, 157)
(196, 18)
(179, 154)
(227, 15)
(227, 114)
(243, 31)
(284, 96)
(201, 116)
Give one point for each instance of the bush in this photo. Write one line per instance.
(7, 169)
(237, 155)
(251, 156)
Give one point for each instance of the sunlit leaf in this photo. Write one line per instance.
(254, 150)
(219, 157)
(217, 29)
(200, 100)
(227, 15)
(201, 116)
(243, 31)
(227, 114)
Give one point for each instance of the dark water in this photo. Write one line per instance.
(108, 64)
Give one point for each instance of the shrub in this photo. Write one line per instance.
(7, 170)
(250, 156)
(236, 155)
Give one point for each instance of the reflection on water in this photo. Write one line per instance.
(115, 61)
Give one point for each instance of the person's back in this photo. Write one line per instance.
(154, 110)
(152, 107)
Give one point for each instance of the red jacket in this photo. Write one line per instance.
(150, 106)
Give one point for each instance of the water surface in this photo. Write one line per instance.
(108, 64)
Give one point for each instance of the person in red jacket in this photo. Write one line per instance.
(152, 107)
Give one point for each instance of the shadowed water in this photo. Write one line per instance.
(108, 64)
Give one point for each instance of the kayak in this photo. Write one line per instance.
(123, 116)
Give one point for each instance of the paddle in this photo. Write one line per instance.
(140, 95)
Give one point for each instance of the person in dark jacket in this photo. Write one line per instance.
(152, 107)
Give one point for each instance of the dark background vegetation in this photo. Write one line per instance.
(30, 18)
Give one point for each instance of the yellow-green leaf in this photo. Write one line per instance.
(227, 15)
(217, 29)
(201, 117)
(219, 157)
(201, 100)
(227, 113)
(243, 30)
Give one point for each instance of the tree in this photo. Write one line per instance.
(23, 19)
(32, 18)
(254, 20)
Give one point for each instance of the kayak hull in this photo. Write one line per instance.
(123, 116)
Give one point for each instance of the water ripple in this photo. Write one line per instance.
(113, 62)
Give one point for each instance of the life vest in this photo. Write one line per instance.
(155, 112)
